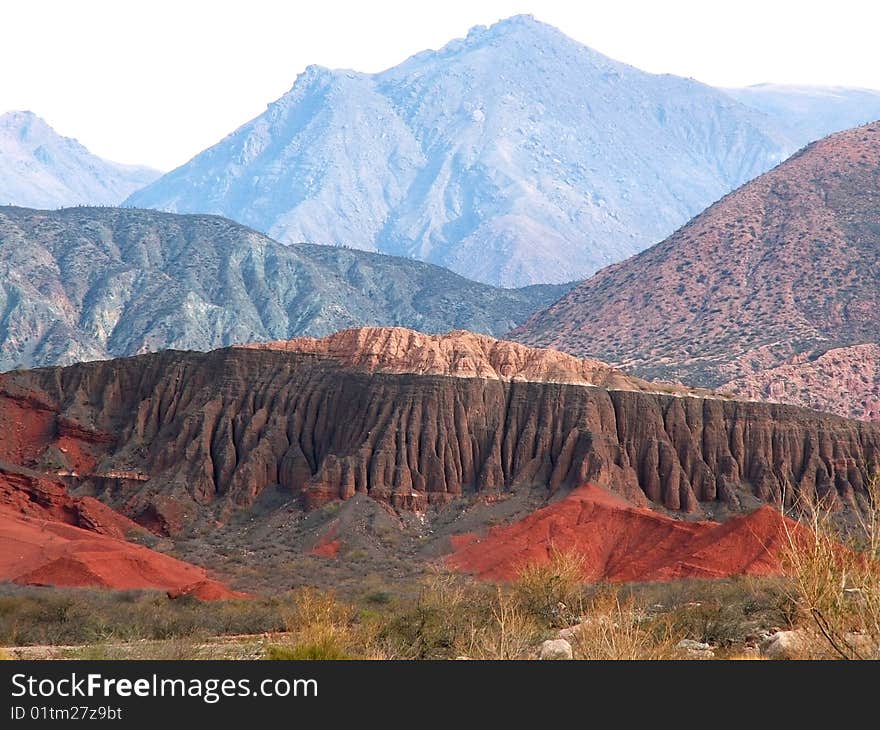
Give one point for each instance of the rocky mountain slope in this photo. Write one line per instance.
(174, 439)
(41, 169)
(513, 156)
(778, 281)
(844, 380)
(91, 283)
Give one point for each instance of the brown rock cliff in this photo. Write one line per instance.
(205, 433)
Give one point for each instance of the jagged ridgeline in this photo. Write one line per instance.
(513, 156)
(42, 169)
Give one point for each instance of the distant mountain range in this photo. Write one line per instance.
(808, 113)
(93, 283)
(772, 293)
(513, 156)
(41, 169)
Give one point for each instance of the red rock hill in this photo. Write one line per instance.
(753, 292)
(179, 438)
(621, 542)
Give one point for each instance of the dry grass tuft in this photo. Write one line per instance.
(510, 632)
(552, 591)
(835, 578)
(615, 629)
(320, 627)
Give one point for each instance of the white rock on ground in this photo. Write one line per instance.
(555, 649)
(695, 649)
(785, 645)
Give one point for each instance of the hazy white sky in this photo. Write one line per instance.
(156, 82)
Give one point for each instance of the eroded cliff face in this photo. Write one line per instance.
(175, 438)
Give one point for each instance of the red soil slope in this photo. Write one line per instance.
(48, 537)
(44, 552)
(32, 494)
(29, 426)
(621, 542)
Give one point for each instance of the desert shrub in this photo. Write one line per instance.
(319, 626)
(613, 628)
(718, 624)
(835, 577)
(378, 598)
(176, 649)
(551, 590)
(438, 622)
(454, 616)
(326, 651)
(507, 631)
(696, 607)
(83, 616)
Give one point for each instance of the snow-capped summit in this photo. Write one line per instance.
(514, 155)
(41, 169)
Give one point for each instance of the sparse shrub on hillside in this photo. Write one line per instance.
(551, 591)
(614, 628)
(319, 626)
(838, 587)
(508, 632)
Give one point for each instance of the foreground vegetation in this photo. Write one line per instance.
(828, 605)
(448, 617)
(834, 576)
